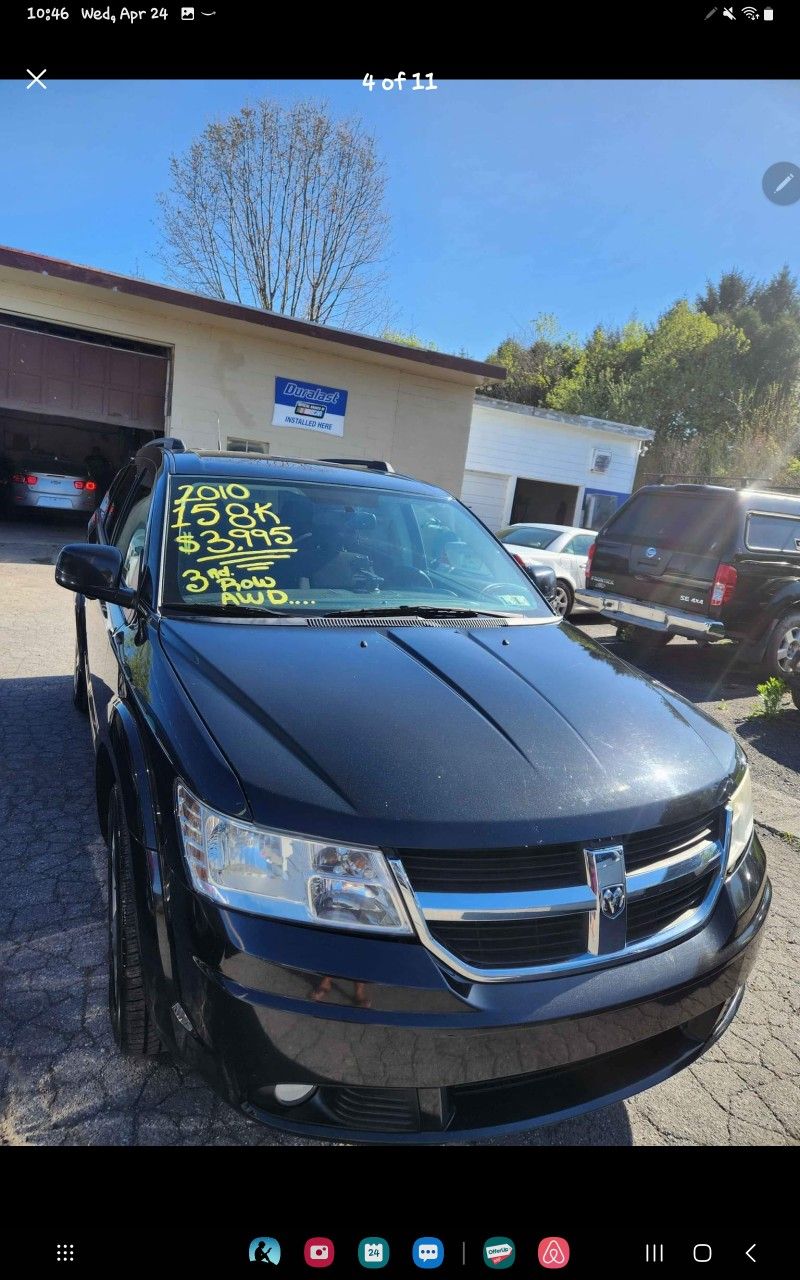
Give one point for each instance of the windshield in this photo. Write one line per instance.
(530, 535)
(299, 548)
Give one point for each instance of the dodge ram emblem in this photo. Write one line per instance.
(612, 900)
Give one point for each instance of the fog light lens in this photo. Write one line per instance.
(289, 1095)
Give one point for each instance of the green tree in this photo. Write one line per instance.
(536, 362)
(600, 381)
(768, 313)
(718, 379)
(688, 382)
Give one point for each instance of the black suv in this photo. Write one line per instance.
(703, 561)
(394, 852)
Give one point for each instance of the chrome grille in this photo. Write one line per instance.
(498, 915)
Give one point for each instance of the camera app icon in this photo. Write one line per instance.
(318, 1251)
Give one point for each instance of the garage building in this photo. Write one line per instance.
(92, 359)
(540, 466)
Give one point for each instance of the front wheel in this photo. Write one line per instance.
(564, 599)
(131, 1018)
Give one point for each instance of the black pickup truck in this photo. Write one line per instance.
(707, 562)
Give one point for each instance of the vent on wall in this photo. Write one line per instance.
(601, 460)
(239, 444)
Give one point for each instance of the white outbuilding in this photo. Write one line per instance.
(543, 466)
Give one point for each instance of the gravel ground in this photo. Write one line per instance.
(61, 1081)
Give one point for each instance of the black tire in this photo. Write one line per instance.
(131, 1018)
(795, 692)
(785, 633)
(80, 698)
(564, 599)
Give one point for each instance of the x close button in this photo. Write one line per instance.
(36, 79)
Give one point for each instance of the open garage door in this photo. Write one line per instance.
(75, 404)
(539, 502)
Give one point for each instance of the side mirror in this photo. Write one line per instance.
(94, 571)
(544, 577)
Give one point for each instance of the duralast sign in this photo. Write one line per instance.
(309, 406)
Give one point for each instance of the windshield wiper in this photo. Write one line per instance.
(226, 611)
(417, 610)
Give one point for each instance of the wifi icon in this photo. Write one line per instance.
(751, 13)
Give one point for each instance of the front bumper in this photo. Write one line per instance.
(401, 1050)
(652, 616)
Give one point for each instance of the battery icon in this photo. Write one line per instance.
(768, 15)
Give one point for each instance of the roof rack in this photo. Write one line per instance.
(369, 464)
(720, 482)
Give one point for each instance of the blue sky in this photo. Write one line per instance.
(592, 200)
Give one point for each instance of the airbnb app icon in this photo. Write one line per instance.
(553, 1252)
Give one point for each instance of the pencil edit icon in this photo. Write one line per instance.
(781, 182)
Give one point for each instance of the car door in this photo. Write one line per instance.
(575, 555)
(108, 625)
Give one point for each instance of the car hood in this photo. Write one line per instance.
(446, 736)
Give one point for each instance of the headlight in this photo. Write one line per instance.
(741, 803)
(285, 876)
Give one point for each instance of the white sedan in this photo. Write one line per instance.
(565, 547)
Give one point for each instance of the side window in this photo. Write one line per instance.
(114, 500)
(131, 531)
(580, 544)
(772, 532)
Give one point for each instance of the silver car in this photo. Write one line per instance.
(53, 484)
(565, 547)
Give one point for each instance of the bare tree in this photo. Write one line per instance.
(280, 208)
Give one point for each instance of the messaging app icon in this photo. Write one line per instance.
(428, 1252)
(499, 1252)
(373, 1252)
